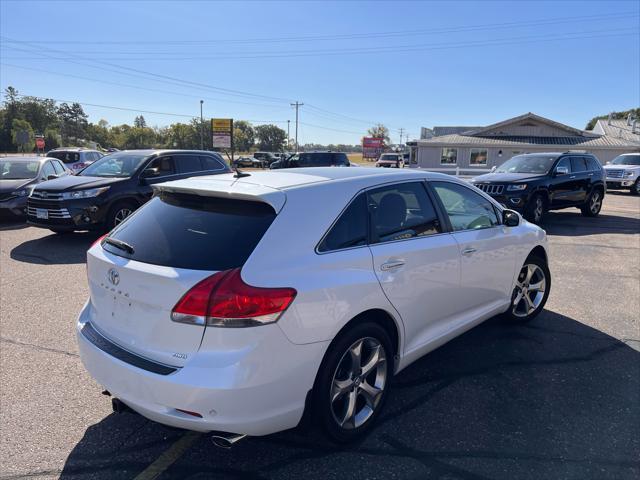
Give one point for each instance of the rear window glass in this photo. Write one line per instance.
(66, 157)
(194, 232)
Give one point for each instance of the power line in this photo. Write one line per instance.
(350, 36)
(395, 49)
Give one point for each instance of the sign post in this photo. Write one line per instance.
(372, 147)
(222, 134)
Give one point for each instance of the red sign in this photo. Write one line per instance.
(40, 143)
(372, 147)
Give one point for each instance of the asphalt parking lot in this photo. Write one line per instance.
(557, 398)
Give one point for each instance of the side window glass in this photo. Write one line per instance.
(578, 164)
(160, 167)
(188, 163)
(57, 167)
(592, 164)
(350, 230)
(47, 170)
(564, 162)
(402, 211)
(210, 163)
(340, 159)
(466, 209)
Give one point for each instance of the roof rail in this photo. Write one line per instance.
(576, 151)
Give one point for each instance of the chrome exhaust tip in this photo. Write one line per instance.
(226, 440)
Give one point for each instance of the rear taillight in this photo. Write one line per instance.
(98, 240)
(224, 300)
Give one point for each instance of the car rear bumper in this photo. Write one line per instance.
(256, 390)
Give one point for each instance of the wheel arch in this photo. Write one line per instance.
(540, 252)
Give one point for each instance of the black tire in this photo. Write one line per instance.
(116, 213)
(534, 210)
(635, 188)
(593, 205)
(520, 312)
(332, 368)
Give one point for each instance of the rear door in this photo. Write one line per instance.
(487, 253)
(177, 240)
(417, 265)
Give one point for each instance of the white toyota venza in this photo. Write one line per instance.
(234, 303)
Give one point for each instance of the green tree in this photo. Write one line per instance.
(73, 121)
(244, 136)
(39, 112)
(182, 135)
(9, 113)
(134, 137)
(271, 137)
(139, 122)
(100, 133)
(379, 131)
(17, 128)
(51, 138)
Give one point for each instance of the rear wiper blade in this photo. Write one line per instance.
(119, 244)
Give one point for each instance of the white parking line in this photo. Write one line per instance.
(169, 456)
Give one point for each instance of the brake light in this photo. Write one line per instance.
(225, 300)
(98, 240)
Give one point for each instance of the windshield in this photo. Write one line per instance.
(389, 157)
(16, 170)
(626, 160)
(527, 164)
(120, 164)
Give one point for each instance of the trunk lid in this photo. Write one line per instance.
(132, 303)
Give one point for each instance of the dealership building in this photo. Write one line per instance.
(465, 150)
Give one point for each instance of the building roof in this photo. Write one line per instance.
(439, 131)
(495, 135)
(617, 129)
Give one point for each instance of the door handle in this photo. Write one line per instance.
(468, 251)
(572, 176)
(391, 265)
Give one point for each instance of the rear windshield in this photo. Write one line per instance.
(194, 232)
(66, 157)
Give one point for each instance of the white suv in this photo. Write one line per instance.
(233, 303)
(623, 172)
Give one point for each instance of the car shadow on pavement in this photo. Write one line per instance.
(12, 223)
(550, 399)
(55, 249)
(573, 223)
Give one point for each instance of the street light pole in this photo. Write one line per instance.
(288, 136)
(201, 127)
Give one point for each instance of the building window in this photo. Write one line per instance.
(478, 157)
(449, 156)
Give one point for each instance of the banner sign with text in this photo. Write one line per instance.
(222, 130)
(372, 147)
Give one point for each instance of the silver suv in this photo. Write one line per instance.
(75, 158)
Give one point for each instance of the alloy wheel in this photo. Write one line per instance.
(121, 215)
(529, 291)
(358, 383)
(596, 202)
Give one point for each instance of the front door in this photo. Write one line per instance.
(487, 252)
(417, 265)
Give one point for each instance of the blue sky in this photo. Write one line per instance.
(404, 64)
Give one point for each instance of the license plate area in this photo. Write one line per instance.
(42, 213)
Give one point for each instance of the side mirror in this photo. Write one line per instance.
(609, 163)
(510, 218)
(562, 170)
(494, 168)
(52, 177)
(150, 172)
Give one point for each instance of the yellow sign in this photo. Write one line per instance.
(222, 125)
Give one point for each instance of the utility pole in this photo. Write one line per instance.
(288, 136)
(201, 127)
(401, 132)
(297, 105)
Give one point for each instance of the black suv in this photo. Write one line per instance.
(537, 182)
(110, 189)
(313, 159)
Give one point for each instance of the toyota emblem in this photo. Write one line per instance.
(114, 276)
